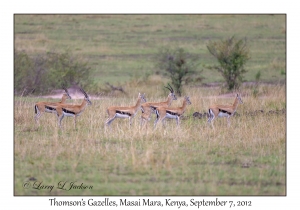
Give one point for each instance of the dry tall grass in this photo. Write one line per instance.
(247, 158)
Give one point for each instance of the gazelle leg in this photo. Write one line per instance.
(37, 117)
(129, 121)
(109, 120)
(163, 122)
(177, 121)
(157, 118)
(74, 122)
(37, 112)
(59, 120)
(145, 123)
(156, 121)
(142, 122)
(211, 118)
(228, 121)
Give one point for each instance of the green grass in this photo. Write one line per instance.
(119, 46)
(249, 158)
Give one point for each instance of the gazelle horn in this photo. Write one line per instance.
(83, 92)
(171, 88)
(168, 89)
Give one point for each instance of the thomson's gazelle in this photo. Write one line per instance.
(124, 112)
(148, 107)
(72, 110)
(173, 113)
(223, 110)
(41, 107)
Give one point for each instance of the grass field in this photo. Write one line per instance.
(119, 47)
(247, 158)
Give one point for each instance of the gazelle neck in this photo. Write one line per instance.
(235, 103)
(184, 104)
(63, 99)
(169, 99)
(83, 104)
(138, 103)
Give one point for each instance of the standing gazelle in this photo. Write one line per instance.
(172, 113)
(41, 107)
(72, 110)
(148, 107)
(124, 112)
(223, 110)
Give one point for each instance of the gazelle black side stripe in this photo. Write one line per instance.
(50, 108)
(172, 113)
(126, 113)
(153, 108)
(224, 111)
(67, 111)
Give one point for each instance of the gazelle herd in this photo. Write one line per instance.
(162, 110)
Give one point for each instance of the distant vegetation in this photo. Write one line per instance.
(120, 48)
(49, 71)
(179, 66)
(232, 55)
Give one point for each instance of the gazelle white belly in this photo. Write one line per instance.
(118, 115)
(69, 114)
(50, 111)
(171, 116)
(223, 114)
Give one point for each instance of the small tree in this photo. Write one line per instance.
(177, 64)
(232, 55)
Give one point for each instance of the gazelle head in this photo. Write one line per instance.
(239, 98)
(187, 99)
(142, 97)
(86, 97)
(172, 94)
(66, 93)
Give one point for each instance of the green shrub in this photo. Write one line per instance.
(232, 55)
(178, 65)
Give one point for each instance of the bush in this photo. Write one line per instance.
(42, 73)
(23, 71)
(178, 65)
(232, 55)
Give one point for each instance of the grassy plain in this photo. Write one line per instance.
(120, 47)
(249, 158)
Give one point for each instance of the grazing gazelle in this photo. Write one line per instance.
(68, 110)
(41, 107)
(124, 112)
(148, 107)
(173, 113)
(223, 110)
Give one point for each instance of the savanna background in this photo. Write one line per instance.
(247, 158)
